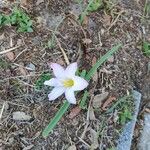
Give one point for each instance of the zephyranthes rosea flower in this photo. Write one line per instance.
(65, 81)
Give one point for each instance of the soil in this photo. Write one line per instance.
(119, 22)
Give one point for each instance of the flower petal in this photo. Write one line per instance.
(53, 82)
(71, 70)
(69, 94)
(79, 83)
(55, 93)
(58, 70)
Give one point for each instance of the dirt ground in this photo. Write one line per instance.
(116, 22)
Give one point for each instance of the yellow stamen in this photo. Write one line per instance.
(68, 83)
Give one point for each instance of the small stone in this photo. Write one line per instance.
(31, 67)
(11, 140)
(18, 115)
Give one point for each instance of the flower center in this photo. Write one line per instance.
(68, 83)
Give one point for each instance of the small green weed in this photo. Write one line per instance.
(146, 9)
(146, 48)
(93, 5)
(17, 18)
(3, 64)
(40, 82)
(124, 107)
(125, 115)
(83, 101)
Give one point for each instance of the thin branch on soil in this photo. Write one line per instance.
(88, 115)
(84, 142)
(23, 66)
(20, 53)
(99, 37)
(25, 83)
(114, 22)
(1, 113)
(79, 54)
(63, 52)
(9, 50)
(20, 105)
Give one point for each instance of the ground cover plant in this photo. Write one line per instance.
(108, 39)
(17, 18)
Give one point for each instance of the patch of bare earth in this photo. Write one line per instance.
(21, 68)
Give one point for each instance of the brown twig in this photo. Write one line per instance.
(63, 52)
(9, 50)
(114, 22)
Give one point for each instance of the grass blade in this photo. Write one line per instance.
(56, 118)
(101, 61)
(84, 13)
(83, 101)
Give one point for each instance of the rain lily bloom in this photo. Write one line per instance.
(65, 81)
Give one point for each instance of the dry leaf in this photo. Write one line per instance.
(94, 60)
(74, 112)
(147, 110)
(107, 102)
(18, 115)
(22, 70)
(94, 139)
(72, 147)
(91, 114)
(97, 101)
(10, 56)
(85, 21)
(107, 20)
(95, 76)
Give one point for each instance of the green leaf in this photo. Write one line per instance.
(101, 61)
(7, 20)
(55, 120)
(39, 83)
(83, 73)
(118, 102)
(1, 18)
(29, 23)
(125, 116)
(51, 43)
(95, 5)
(13, 19)
(146, 48)
(85, 12)
(29, 29)
(147, 9)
